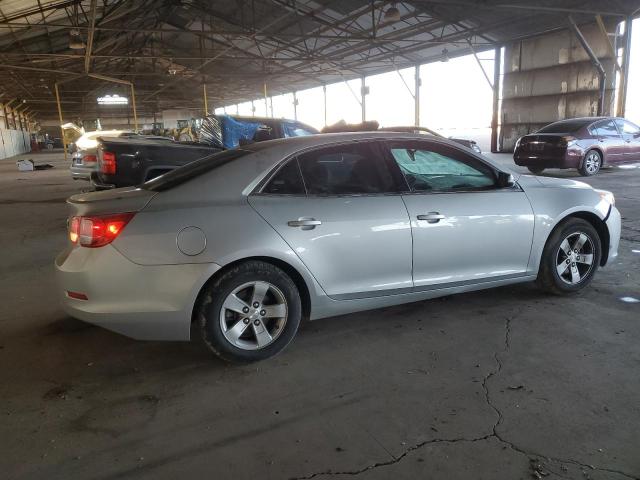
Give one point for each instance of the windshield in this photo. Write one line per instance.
(193, 170)
(566, 126)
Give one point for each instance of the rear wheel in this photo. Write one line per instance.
(536, 170)
(591, 164)
(570, 257)
(250, 313)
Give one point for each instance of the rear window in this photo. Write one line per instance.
(565, 126)
(194, 169)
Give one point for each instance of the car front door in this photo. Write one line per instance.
(466, 228)
(610, 141)
(338, 208)
(631, 136)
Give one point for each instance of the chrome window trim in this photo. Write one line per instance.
(258, 190)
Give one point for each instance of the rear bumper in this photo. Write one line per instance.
(81, 172)
(614, 225)
(142, 302)
(567, 159)
(98, 184)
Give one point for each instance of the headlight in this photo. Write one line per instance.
(607, 196)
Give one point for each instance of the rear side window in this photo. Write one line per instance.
(607, 129)
(356, 168)
(565, 126)
(287, 181)
(296, 130)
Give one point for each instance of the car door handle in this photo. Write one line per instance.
(431, 217)
(304, 222)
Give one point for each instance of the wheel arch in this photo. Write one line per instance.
(294, 274)
(597, 223)
(598, 149)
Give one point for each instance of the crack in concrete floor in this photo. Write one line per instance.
(536, 459)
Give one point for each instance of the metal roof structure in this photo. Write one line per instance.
(169, 48)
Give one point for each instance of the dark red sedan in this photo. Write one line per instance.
(582, 143)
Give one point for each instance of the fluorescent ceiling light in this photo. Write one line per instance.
(113, 100)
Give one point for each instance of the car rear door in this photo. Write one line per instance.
(631, 136)
(466, 229)
(339, 209)
(610, 141)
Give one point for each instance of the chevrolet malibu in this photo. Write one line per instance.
(242, 245)
(586, 144)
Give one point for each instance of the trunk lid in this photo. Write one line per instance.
(548, 143)
(119, 200)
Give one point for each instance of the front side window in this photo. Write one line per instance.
(627, 128)
(607, 129)
(439, 168)
(356, 168)
(287, 181)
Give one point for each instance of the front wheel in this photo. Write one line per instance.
(536, 170)
(570, 257)
(250, 313)
(591, 164)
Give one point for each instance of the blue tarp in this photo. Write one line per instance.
(233, 131)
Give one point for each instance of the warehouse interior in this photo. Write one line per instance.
(507, 383)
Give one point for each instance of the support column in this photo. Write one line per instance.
(602, 74)
(496, 99)
(324, 95)
(416, 96)
(266, 101)
(135, 112)
(363, 96)
(295, 106)
(204, 97)
(6, 115)
(626, 56)
(64, 145)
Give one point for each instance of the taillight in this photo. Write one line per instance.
(97, 231)
(108, 164)
(89, 159)
(74, 229)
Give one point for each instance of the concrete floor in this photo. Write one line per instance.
(506, 383)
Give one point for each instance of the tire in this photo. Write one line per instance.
(551, 276)
(591, 164)
(237, 338)
(536, 170)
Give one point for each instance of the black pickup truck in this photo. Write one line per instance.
(124, 162)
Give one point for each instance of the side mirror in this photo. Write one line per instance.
(506, 180)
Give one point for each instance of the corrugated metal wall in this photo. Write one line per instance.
(549, 78)
(14, 142)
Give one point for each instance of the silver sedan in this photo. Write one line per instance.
(246, 243)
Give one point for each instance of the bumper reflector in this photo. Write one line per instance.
(77, 295)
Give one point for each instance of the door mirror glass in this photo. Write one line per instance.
(506, 180)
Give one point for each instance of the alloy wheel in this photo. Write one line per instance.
(574, 259)
(592, 163)
(253, 315)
